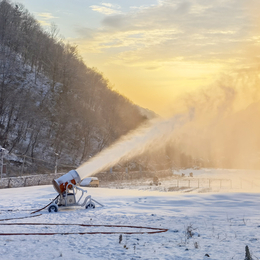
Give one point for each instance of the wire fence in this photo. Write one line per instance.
(203, 183)
(172, 182)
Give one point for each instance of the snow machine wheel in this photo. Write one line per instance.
(90, 206)
(53, 208)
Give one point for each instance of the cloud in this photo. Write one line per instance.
(44, 23)
(85, 32)
(44, 18)
(152, 68)
(189, 16)
(116, 21)
(106, 8)
(183, 8)
(194, 29)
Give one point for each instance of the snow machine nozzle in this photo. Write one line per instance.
(60, 184)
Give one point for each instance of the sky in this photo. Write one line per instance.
(155, 51)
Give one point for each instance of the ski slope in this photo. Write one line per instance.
(217, 224)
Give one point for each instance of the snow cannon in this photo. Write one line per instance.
(60, 184)
(67, 187)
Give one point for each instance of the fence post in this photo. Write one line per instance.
(2, 151)
(22, 165)
(2, 164)
(57, 156)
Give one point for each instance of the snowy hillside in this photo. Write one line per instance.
(52, 105)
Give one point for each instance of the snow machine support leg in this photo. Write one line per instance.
(98, 203)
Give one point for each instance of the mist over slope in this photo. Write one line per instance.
(223, 126)
(217, 127)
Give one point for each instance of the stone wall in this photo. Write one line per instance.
(30, 180)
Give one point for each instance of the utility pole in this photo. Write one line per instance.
(56, 162)
(2, 164)
(2, 151)
(22, 165)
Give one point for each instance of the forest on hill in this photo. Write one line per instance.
(51, 103)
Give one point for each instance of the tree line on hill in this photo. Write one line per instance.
(51, 102)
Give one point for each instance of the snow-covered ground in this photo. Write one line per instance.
(219, 224)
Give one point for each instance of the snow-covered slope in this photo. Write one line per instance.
(217, 224)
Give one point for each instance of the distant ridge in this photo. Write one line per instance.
(149, 114)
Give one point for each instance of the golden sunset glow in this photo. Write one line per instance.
(154, 51)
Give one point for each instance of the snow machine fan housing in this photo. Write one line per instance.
(60, 184)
